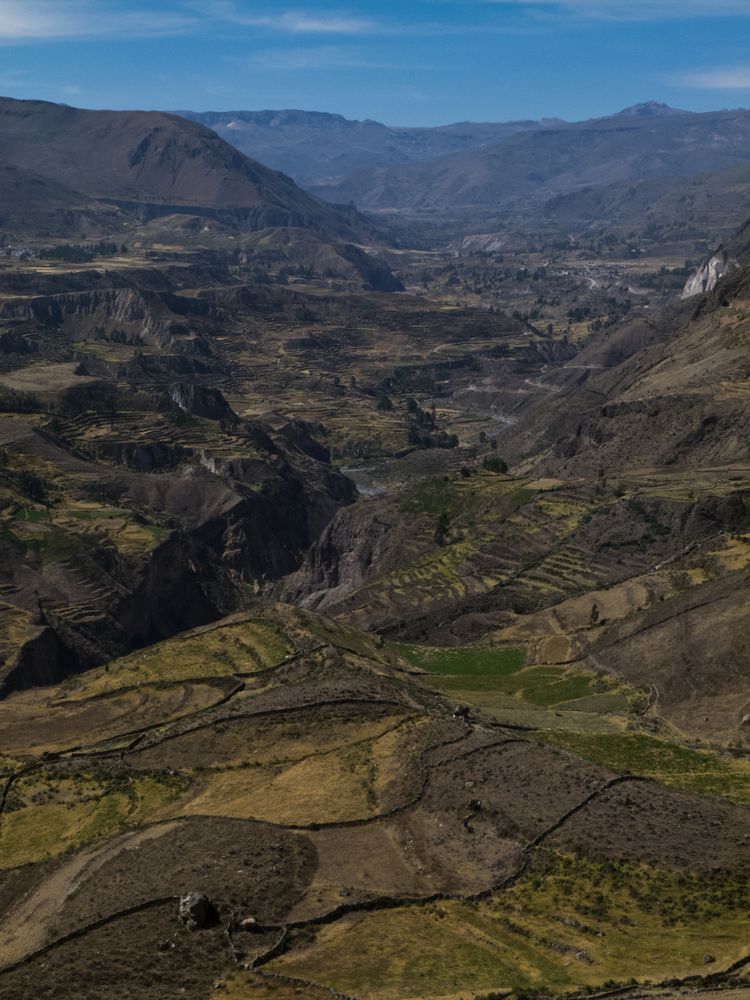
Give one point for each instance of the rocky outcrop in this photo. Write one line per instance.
(708, 276)
(141, 456)
(197, 911)
(201, 401)
(376, 276)
(231, 528)
(12, 342)
(360, 542)
(156, 316)
(165, 365)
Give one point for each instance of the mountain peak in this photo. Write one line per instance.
(648, 108)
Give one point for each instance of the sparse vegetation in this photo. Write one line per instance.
(408, 722)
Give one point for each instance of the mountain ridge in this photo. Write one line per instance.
(152, 162)
(471, 164)
(558, 159)
(315, 146)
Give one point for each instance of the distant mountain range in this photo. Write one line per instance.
(70, 171)
(322, 150)
(471, 166)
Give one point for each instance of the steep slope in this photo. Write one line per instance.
(150, 163)
(669, 391)
(664, 206)
(317, 148)
(41, 206)
(196, 532)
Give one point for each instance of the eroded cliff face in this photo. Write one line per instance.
(236, 526)
(357, 543)
(707, 277)
(160, 318)
(200, 401)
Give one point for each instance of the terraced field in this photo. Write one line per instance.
(383, 844)
(565, 925)
(476, 729)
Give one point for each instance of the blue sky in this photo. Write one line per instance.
(418, 62)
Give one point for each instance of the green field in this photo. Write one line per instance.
(465, 662)
(48, 815)
(698, 771)
(570, 923)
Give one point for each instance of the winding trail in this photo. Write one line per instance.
(28, 922)
(25, 936)
(25, 926)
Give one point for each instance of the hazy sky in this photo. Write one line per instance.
(415, 62)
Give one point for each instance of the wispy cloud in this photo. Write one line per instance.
(299, 23)
(634, 10)
(308, 58)
(48, 20)
(720, 78)
(45, 20)
(293, 21)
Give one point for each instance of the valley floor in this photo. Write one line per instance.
(479, 729)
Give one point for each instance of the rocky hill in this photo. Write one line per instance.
(660, 206)
(150, 164)
(660, 392)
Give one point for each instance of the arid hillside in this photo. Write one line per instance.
(151, 164)
(373, 617)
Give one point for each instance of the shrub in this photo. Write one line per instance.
(493, 463)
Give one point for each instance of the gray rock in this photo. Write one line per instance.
(197, 911)
(708, 276)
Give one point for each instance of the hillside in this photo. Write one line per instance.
(670, 392)
(41, 206)
(666, 206)
(151, 163)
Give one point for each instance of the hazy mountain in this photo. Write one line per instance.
(649, 109)
(152, 163)
(634, 145)
(322, 149)
(702, 203)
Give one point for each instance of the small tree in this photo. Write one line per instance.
(442, 527)
(493, 463)
(32, 485)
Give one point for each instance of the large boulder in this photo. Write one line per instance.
(197, 911)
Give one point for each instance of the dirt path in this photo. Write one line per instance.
(26, 927)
